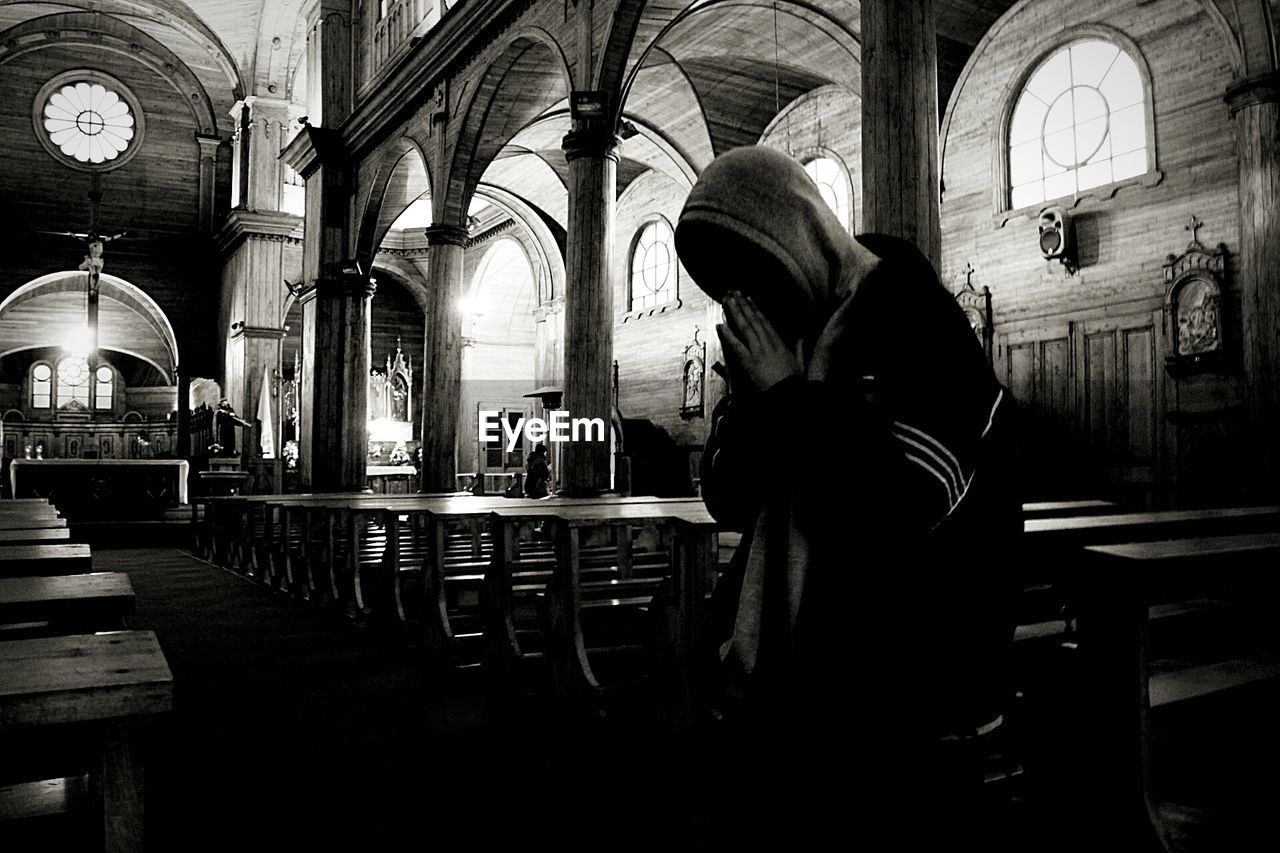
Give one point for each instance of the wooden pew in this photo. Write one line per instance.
(29, 536)
(472, 513)
(1068, 509)
(1063, 534)
(89, 602)
(33, 523)
(107, 685)
(1102, 775)
(567, 650)
(15, 513)
(352, 548)
(44, 559)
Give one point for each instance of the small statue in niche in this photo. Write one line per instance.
(399, 399)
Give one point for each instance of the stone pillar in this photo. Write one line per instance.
(900, 189)
(1255, 105)
(441, 400)
(588, 303)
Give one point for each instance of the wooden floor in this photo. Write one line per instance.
(292, 724)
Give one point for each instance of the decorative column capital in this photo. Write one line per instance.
(345, 281)
(445, 235)
(591, 140)
(1259, 89)
(243, 330)
(208, 146)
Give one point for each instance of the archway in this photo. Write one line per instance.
(117, 402)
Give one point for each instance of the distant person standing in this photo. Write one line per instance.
(537, 479)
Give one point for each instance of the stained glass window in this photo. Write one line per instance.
(653, 266)
(88, 122)
(1080, 123)
(833, 184)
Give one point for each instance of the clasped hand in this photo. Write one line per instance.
(757, 354)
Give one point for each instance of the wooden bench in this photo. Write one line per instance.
(1068, 509)
(1059, 535)
(471, 514)
(108, 686)
(566, 648)
(44, 559)
(33, 523)
(29, 536)
(1103, 763)
(88, 602)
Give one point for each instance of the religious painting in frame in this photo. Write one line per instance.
(1193, 309)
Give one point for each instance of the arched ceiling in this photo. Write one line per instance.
(47, 312)
(233, 47)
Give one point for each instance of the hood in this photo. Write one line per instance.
(765, 196)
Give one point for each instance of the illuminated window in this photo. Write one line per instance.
(88, 122)
(1080, 123)
(833, 183)
(102, 389)
(653, 266)
(41, 386)
(73, 381)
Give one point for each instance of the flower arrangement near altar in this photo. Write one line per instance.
(399, 455)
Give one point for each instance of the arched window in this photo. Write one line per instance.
(103, 388)
(73, 381)
(653, 266)
(41, 386)
(1081, 121)
(833, 182)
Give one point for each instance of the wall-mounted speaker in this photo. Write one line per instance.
(1057, 237)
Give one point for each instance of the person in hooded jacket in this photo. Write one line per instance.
(866, 619)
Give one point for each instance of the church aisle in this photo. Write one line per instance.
(287, 718)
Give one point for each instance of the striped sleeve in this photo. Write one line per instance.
(947, 462)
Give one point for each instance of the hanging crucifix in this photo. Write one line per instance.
(92, 264)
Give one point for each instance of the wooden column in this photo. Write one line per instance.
(329, 66)
(263, 124)
(208, 179)
(182, 447)
(441, 401)
(900, 191)
(1255, 104)
(334, 443)
(588, 303)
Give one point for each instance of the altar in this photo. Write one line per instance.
(102, 489)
